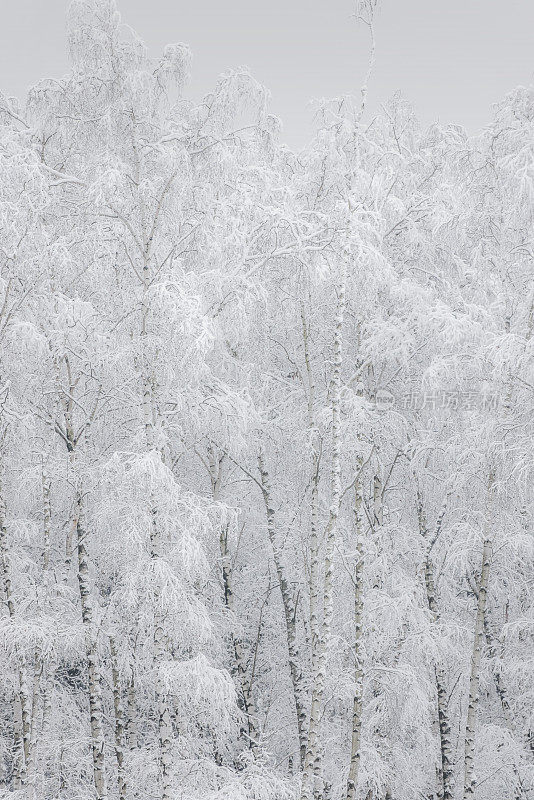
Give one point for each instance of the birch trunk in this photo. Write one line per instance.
(84, 585)
(21, 725)
(315, 601)
(474, 677)
(312, 762)
(34, 723)
(19, 764)
(446, 768)
(240, 668)
(315, 631)
(21, 710)
(357, 580)
(352, 781)
(48, 691)
(446, 750)
(119, 720)
(164, 720)
(69, 550)
(240, 665)
(290, 613)
(93, 670)
(39, 665)
(47, 521)
(132, 714)
(378, 506)
(165, 732)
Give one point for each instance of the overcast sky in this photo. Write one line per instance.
(451, 58)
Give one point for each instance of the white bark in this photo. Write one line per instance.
(378, 506)
(21, 709)
(239, 669)
(165, 733)
(34, 724)
(132, 714)
(290, 613)
(119, 720)
(164, 721)
(354, 766)
(47, 521)
(446, 767)
(39, 695)
(476, 656)
(84, 584)
(311, 773)
(47, 701)
(93, 668)
(315, 593)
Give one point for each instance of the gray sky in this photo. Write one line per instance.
(451, 58)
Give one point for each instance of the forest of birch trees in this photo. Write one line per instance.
(266, 442)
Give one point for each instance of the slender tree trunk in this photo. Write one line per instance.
(315, 602)
(446, 768)
(77, 536)
(315, 593)
(239, 669)
(47, 700)
(352, 782)
(94, 679)
(119, 720)
(378, 506)
(21, 710)
(19, 765)
(165, 729)
(240, 664)
(290, 612)
(39, 694)
(34, 723)
(165, 732)
(132, 714)
(69, 549)
(474, 677)
(62, 783)
(47, 522)
(48, 690)
(311, 773)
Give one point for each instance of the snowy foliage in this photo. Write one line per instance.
(266, 424)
